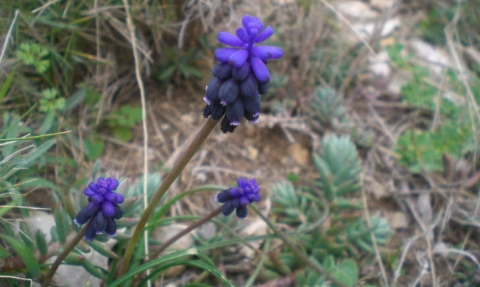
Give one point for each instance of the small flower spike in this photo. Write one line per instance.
(103, 208)
(246, 192)
(241, 76)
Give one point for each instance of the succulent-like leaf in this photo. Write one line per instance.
(41, 242)
(102, 249)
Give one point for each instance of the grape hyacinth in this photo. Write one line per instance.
(103, 208)
(239, 197)
(241, 76)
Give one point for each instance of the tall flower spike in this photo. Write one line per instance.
(237, 198)
(103, 208)
(242, 73)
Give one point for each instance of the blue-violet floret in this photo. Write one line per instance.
(103, 208)
(241, 76)
(237, 198)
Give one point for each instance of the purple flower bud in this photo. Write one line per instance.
(90, 232)
(263, 88)
(252, 105)
(229, 39)
(222, 71)
(99, 223)
(222, 54)
(264, 35)
(260, 70)
(226, 127)
(86, 213)
(228, 92)
(217, 111)
(235, 112)
(118, 213)
(241, 72)
(97, 198)
(239, 197)
(213, 88)
(242, 211)
(112, 184)
(249, 87)
(108, 209)
(238, 58)
(111, 228)
(224, 196)
(102, 209)
(89, 192)
(114, 197)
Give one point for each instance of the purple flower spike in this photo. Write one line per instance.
(242, 73)
(237, 198)
(103, 208)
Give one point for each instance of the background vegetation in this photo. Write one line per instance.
(366, 152)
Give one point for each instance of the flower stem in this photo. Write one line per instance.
(66, 250)
(297, 252)
(169, 179)
(182, 233)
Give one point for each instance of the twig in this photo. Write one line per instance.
(68, 248)
(7, 38)
(374, 240)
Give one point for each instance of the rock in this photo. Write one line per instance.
(254, 228)
(379, 64)
(355, 10)
(69, 276)
(382, 4)
(434, 58)
(163, 234)
(397, 220)
(299, 154)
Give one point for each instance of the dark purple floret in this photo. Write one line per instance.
(102, 209)
(237, 198)
(242, 73)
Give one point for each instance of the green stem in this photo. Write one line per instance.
(169, 179)
(182, 233)
(297, 252)
(66, 250)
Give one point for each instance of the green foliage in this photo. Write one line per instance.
(35, 55)
(122, 120)
(326, 108)
(339, 167)
(422, 150)
(305, 207)
(51, 102)
(346, 271)
(179, 64)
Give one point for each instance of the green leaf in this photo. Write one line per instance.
(94, 147)
(25, 254)
(102, 249)
(122, 133)
(74, 259)
(6, 84)
(41, 242)
(92, 269)
(347, 272)
(168, 258)
(25, 236)
(39, 151)
(60, 224)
